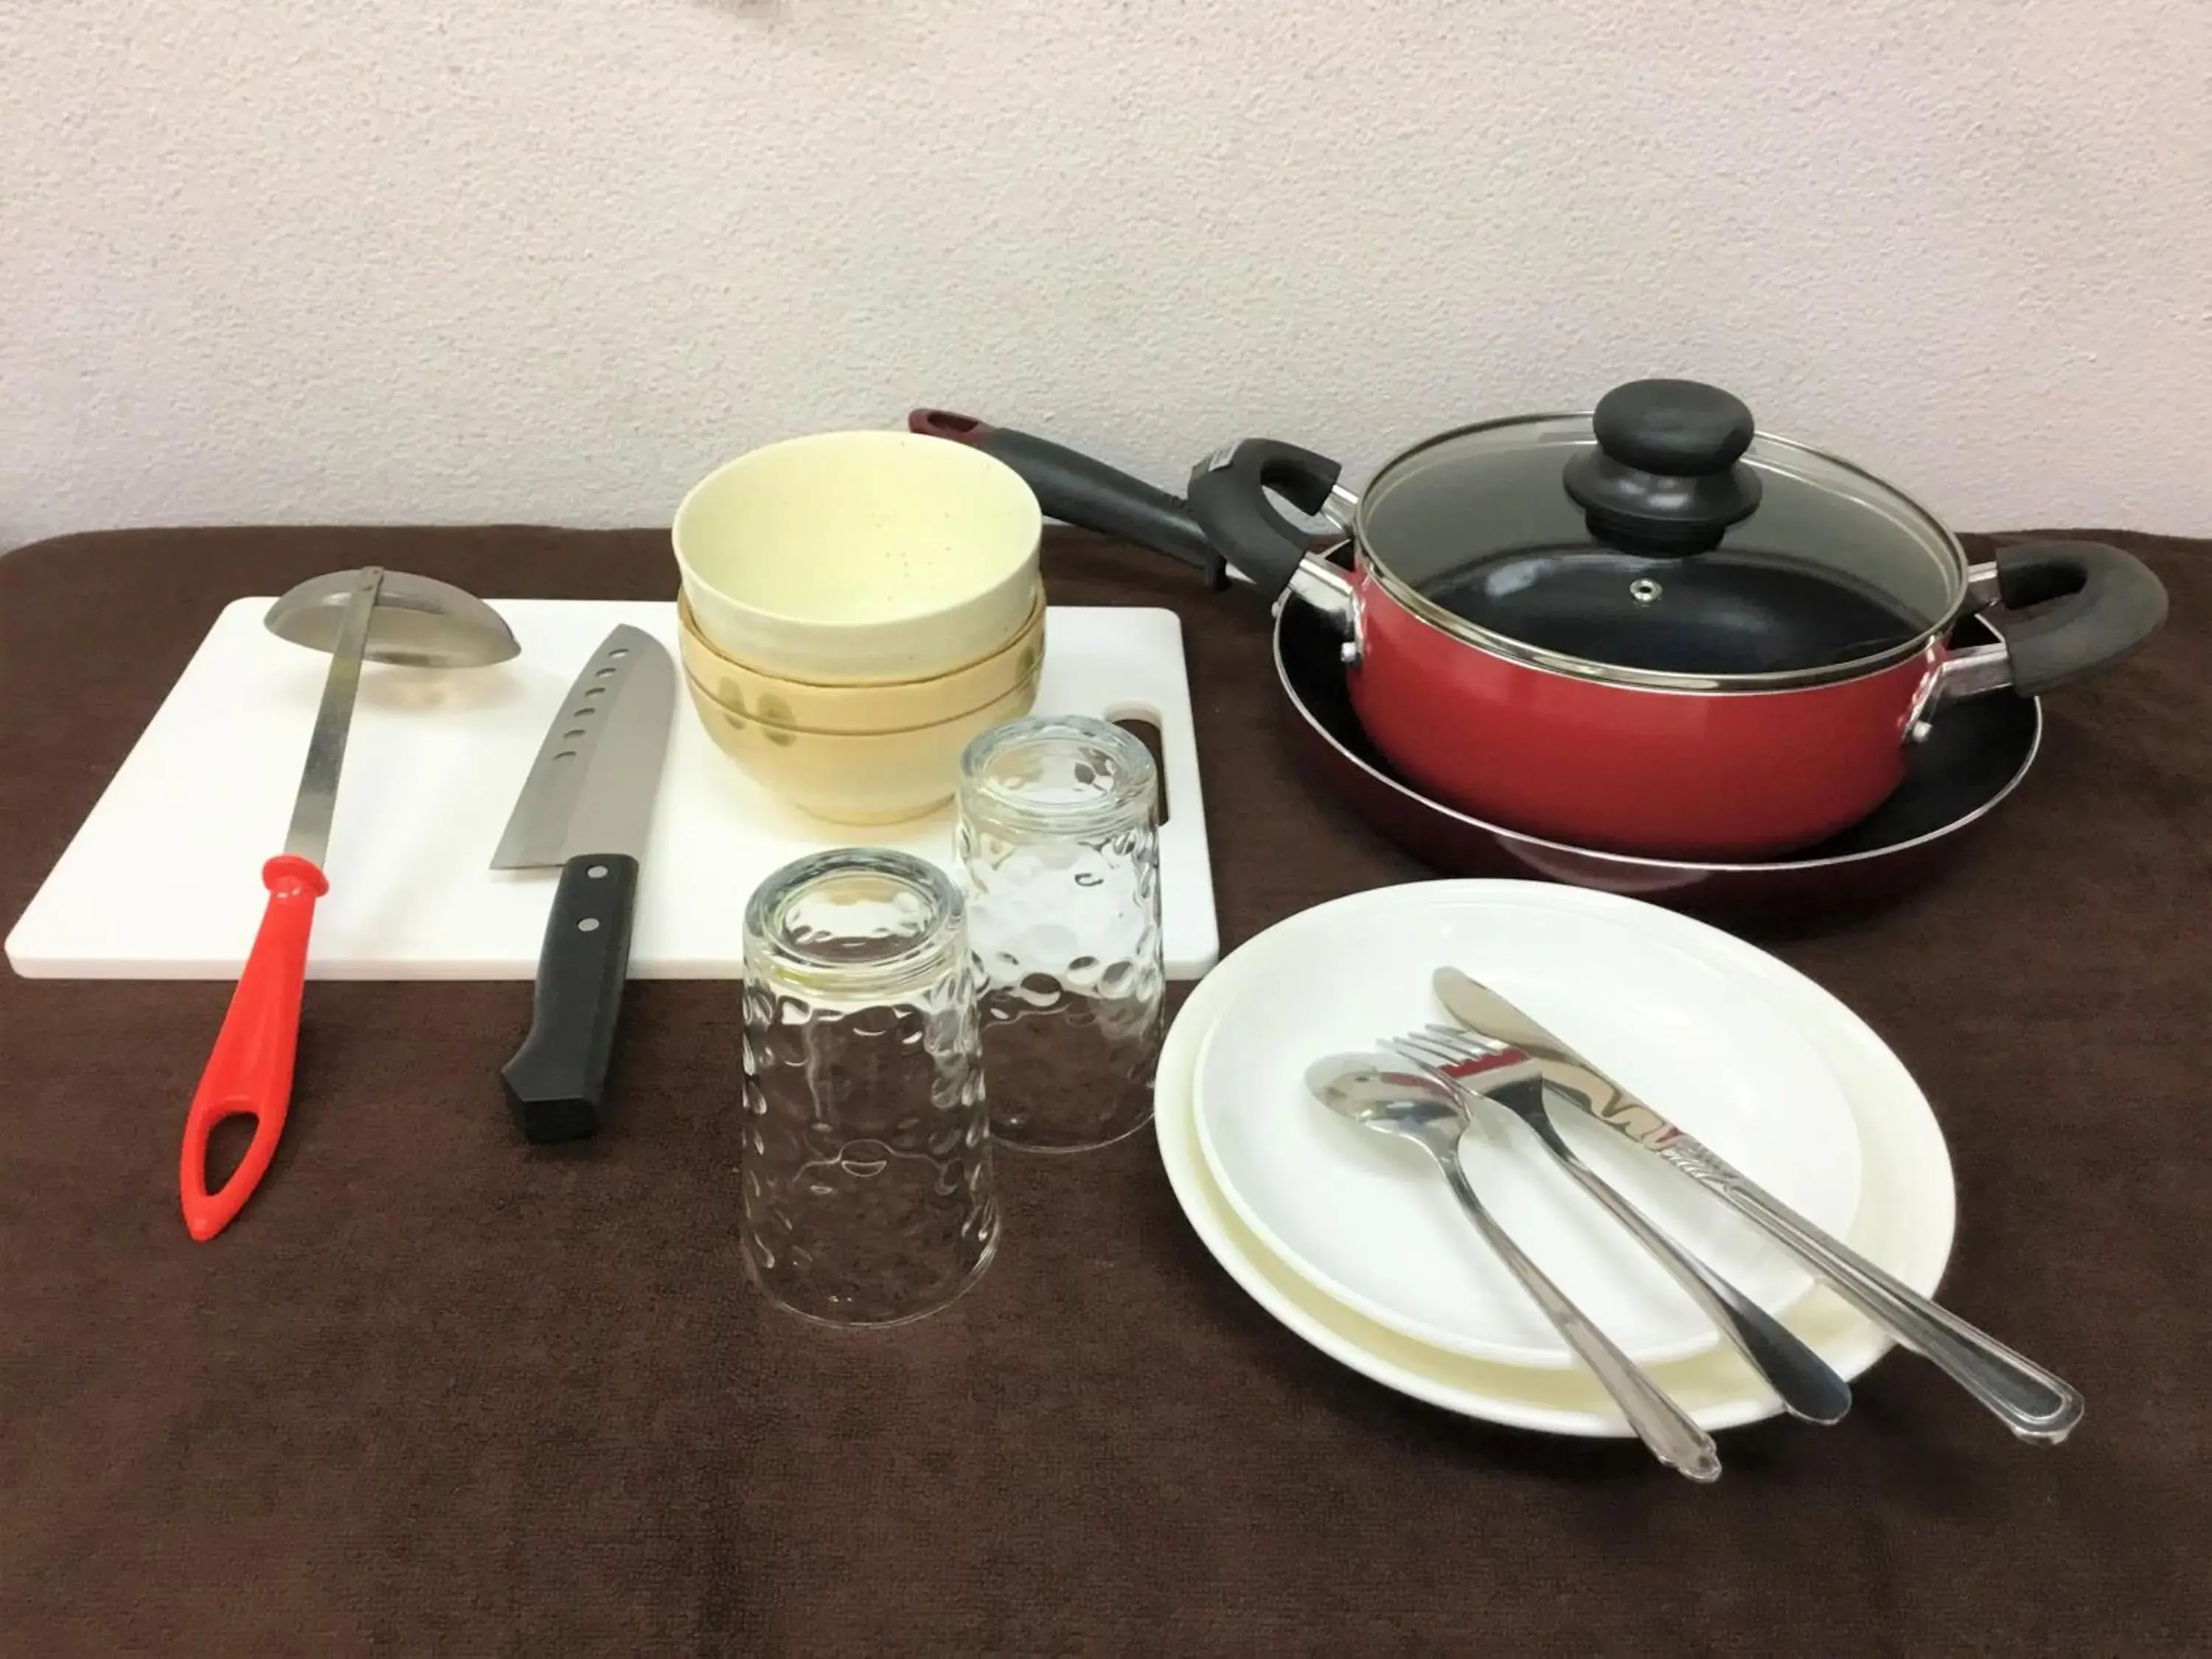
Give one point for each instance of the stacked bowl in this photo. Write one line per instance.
(856, 606)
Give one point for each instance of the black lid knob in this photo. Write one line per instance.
(1666, 478)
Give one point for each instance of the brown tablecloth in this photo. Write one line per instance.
(437, 1394)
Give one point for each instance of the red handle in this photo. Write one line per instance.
(944, 423)
(249, 1074)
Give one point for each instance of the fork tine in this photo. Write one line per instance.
(1458, 1040)
(1458, 1037)
(1393, 1045)
(1417, 1053)
(1424, 1051)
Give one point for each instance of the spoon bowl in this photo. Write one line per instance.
(1364, 1090)
(419, 622)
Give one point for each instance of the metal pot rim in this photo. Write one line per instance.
(1409, 599)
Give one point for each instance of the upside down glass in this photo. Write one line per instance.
(865, 1168)
(1058, 849)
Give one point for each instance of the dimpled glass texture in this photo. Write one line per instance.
(865, 1166)
(1058, 850)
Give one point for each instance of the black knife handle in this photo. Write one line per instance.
(557, 1079)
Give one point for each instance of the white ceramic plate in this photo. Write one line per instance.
(1370, 1219)
(1903, 1221)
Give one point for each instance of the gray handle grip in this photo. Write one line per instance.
(2103, 603)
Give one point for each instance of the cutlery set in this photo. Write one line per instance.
(1426, 1087)
(1803, 1381)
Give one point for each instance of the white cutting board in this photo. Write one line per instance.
(163, 879)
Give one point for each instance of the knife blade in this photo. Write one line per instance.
(1485, 1013)
(585, 807)
(2035, 1404)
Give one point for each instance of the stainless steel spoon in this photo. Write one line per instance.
(1805, 1383)
(1372, 1091)
(382, 616)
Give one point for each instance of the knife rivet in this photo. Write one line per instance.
(588, 925)
(596, 871)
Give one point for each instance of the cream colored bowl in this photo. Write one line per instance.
(857, 777)
(740, 688)
(859, 556)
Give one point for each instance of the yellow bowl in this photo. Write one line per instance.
(856, 777)
(741, 689)
(859, 556)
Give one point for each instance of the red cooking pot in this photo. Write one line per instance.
(1653, 630)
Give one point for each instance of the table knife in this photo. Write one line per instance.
(585, 808)
(2032, 1403)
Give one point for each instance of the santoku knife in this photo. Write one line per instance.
(2029, 1401)
(585, 807)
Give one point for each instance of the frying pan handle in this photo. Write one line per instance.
(1078, 490)
(1229, 499)
(2103, 603)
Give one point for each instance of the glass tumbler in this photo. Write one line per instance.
(1058, 849)
(866, 1167)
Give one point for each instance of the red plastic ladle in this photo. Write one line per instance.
(418, 622)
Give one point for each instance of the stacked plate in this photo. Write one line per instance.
(1352, 1240)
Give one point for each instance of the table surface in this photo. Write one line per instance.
(438, 1393)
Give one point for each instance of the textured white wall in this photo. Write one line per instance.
(549, 259)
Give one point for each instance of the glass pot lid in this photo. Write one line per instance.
(1661, 540)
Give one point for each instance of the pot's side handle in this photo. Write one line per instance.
(1076, 489)
(2103, 603)
(1229, 499)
